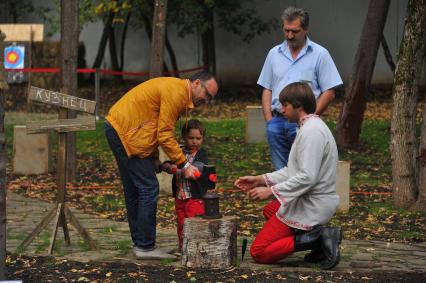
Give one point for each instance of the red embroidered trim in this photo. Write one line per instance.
(293, 223)
(306, 118)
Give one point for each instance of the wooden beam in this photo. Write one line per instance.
(55, 228)
(62, 125)
(43, 224)
(83, 232)
(61, 100)
(23, 32)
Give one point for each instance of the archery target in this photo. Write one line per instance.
(14, 57)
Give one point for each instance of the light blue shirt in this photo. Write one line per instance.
(313, 65)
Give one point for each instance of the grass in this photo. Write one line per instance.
(106, 202)
(43, 242)
(369, 217)
(123, 245)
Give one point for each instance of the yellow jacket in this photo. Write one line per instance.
(145, 117)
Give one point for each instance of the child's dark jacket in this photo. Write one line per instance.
(199, 186)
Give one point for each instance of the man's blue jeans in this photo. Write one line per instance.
(140, 191)
(281, 134)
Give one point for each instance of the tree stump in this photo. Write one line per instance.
(210, 243)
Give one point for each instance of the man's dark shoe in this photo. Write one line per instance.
(308, 240)
(330, 240)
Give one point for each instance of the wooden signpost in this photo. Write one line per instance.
(61, 213)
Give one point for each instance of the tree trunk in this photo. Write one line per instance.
(210, 243)
(69, 56)
(208, 42)
(104, 39)
(421, 198)
(405, 95)
(172, 56)
(113, 49)
(123, 40)
(158, 38)
(148, 31)
(352, 114)
(388, 54)
(3, 162)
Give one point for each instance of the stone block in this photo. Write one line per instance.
(255, 125)
(342, 185)
(164, 179)
(31, 153)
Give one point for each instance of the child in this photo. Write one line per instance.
(188, 193)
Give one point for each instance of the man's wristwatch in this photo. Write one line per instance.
(186, 165)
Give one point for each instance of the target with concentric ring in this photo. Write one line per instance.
(14, 57)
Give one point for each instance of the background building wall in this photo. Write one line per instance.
(334, 24)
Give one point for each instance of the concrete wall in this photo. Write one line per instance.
(335, 24)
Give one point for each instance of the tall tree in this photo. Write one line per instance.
(421, 197)
(352, 114)
(201, 16)
(407, 164)
(144, 11)
(158, 37)
(69, 52)
(3, 162)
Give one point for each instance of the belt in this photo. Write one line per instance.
(276, 113)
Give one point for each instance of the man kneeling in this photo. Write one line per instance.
(305, 190)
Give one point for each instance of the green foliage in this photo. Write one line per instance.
(17, 9)
(191, 16)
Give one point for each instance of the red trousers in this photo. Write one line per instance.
(275, 241)
(185, 209)
(271, 209)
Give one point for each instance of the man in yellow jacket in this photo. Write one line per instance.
(143, 119)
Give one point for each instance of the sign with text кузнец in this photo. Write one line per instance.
(61, 100)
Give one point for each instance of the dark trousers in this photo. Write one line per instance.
(140, 191)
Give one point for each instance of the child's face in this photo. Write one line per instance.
(193, 139)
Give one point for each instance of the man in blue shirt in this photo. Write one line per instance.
(297, 59)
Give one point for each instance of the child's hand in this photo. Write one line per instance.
(167, 167)
(173, 169)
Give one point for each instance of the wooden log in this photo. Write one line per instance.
(210, 243)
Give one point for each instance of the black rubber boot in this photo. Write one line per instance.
(317, 255)
(330, 240)
(308, 240)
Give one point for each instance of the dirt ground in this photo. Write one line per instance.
(48, 269)
(231, 104)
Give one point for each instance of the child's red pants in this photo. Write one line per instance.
(185, 209)
(275, 241)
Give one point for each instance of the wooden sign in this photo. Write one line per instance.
(22, 32)
(61, 100)
(62, 125)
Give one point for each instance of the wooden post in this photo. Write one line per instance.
(69, 54)
(97, 91)
(63, 126)
(30, 65)
(158, 37)
(210, 243)
(3, 161)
